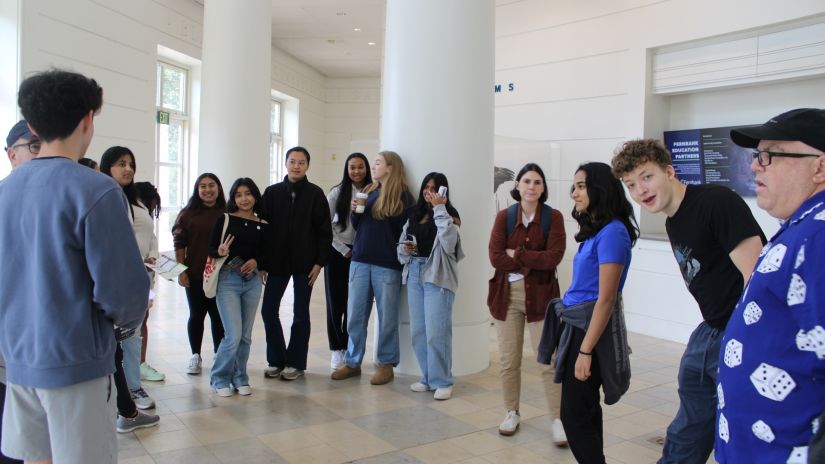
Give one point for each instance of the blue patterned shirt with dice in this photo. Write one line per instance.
(772, 362)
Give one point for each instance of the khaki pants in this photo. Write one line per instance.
(511, 346)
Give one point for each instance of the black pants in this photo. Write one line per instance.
(125, 406)
(581, 413)
(199, 307)
(336, 278)
(3, 458)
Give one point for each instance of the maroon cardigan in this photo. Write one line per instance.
(533, 258)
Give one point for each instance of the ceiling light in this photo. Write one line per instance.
(370, 43)
(341, 13)
(357, 29)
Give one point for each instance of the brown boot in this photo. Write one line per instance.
(383, 374)
(345, 372)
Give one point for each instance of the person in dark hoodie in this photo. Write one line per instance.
(297, 248)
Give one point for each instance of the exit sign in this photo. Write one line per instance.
(163, 117)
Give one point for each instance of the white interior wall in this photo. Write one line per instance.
(351, 124)
(116, 43)
(581, 80)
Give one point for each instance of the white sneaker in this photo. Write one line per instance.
(290, 373)
(559, 437)
(225, 392)
(244, 390)
(142, 399)
(194, 367)
(272, 372)
(443, 393)
(336, 359)
(419, 387)
(510, 424)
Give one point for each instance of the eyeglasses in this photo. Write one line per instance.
(764, 157)
(33, 147)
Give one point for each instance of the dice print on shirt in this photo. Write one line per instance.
(816, 336)
(763, 431)
(752, 313)
(800, 257)
(796, 291)
(733, 353)
(724, 433)
(799, 455)
(773, 259)
(720, 395)
(772, 382)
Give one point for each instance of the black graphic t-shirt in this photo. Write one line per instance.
(711, 222)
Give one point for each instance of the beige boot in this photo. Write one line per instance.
(345, 372)
(383, 374)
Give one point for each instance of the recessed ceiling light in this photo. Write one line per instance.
(357, 29)
(370, 43)
(341, 13)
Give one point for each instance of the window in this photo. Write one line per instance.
(171, 152)
(276, 143)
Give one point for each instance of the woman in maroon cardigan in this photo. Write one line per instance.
(192, 232)
(524, 282)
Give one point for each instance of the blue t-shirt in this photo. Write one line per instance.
(609, 245)
(771, 384)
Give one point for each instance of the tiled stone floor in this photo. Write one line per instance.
(317, 420)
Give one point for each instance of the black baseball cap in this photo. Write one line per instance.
(806, 125)
(18, 131)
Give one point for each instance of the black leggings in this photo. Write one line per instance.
(199, 307)
(125, 406)
(581, 413)
(336, 278)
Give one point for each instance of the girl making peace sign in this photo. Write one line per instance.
(239, 285)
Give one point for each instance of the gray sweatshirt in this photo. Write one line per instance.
(441, 268)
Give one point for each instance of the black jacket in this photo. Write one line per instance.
(299, 225)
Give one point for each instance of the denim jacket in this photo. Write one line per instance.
(441, 268)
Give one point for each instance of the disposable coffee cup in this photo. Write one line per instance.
(361, 202)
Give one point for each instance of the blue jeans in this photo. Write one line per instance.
(691, 434)
(277, 353)
(366, 281)
(431, 324)
(237, 300)
(131, 359)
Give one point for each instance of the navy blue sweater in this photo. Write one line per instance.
(375, 240)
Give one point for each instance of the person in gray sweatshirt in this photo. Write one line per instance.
(429, 249)
(77, 272)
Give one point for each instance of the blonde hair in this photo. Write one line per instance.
(390, 199)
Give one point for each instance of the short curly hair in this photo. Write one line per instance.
(634, 153)
(54, 101)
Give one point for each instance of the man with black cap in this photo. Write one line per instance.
(771, 382)
(21, 144)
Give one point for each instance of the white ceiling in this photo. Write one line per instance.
(321, 33)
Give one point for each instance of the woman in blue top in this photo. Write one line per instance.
(607, 231)
(239, 284)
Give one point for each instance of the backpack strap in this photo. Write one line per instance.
(512, 212)
(546, 219)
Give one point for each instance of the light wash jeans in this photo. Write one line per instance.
(431, 324)
(237, 304)
(131, 359)
(365, 282)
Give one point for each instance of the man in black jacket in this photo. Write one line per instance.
(301, 236)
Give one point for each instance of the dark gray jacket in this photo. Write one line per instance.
(611, 349)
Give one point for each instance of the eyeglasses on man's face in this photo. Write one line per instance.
(33, 147)
(764, 157)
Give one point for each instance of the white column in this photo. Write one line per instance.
(437, 113)
(236, 94)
